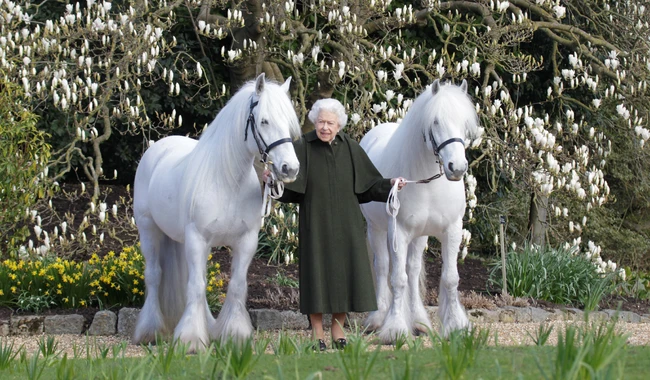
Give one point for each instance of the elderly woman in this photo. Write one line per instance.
(335, 176)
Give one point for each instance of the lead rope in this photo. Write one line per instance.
(273, 189)
(393, 205)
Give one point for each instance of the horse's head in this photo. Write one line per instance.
(274, 124)
(453, 122)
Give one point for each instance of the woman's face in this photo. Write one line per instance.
(327, 126)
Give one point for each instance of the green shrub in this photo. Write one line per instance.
(636, 284)
(113, 280)
(278, 240)
(23, 157)
(555, 275)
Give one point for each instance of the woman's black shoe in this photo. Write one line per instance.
(340, 343)
(321, 346)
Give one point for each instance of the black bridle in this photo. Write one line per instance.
(263, 147)
(436, 150)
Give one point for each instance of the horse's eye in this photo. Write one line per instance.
(264, 122)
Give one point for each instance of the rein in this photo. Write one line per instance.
(272, 188)
(393, 204)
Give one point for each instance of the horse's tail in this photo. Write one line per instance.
(173, 282)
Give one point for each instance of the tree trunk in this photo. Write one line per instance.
(537, 220)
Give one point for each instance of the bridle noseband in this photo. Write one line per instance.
(262, 146)
(436, 150)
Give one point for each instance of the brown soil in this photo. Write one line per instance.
(264, 292)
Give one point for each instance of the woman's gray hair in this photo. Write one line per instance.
(329, 105)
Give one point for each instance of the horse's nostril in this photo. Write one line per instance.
(451, 166)
(285, 169)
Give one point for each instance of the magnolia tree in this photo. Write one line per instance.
(90, 63)
(552, 81)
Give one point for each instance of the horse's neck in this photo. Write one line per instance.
(412, 158)
(223, 164)
(231, 174)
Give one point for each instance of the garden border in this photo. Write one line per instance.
(108, 323)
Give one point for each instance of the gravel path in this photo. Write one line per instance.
(508, 334)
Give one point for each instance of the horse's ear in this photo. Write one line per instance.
(259, 84)
(285, 86)
(435, 86)
(463, 86)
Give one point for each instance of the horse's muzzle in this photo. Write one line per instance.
(455, 172)
(287, 173)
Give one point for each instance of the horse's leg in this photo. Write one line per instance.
(234, 321)
(452, 314)
(173, 285)
(193, 326)
(419, 316)
(212, 321)
(395, 324)
(150, 320)
(380, 260)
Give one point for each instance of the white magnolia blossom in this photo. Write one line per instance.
(559, 11)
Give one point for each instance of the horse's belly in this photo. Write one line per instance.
(422, 213)
(224, 216)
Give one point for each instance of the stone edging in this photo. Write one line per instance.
(123, 323)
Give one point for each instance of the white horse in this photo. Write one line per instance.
(428, 144)
(192, 195)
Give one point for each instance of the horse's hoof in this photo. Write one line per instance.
(390, 337)
(420, 332)
(147, 338)
(370, 328)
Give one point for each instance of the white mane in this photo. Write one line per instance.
(451, 107)
(222, 156)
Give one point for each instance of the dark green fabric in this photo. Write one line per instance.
(335, 274)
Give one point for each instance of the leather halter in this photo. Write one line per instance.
(436, 150)
(262, 146)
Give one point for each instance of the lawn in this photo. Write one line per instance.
(491, 363)
(581, 353)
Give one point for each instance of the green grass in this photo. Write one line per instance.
(493, 363)
(590, 351)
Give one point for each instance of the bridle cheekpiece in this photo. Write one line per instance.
(262, 146)
(436, 150)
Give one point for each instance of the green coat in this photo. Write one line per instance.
(335, 274)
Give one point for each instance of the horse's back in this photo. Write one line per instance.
(375, 140)
(377, 137)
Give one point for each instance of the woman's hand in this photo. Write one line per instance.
(400, 180)
(266, 174)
